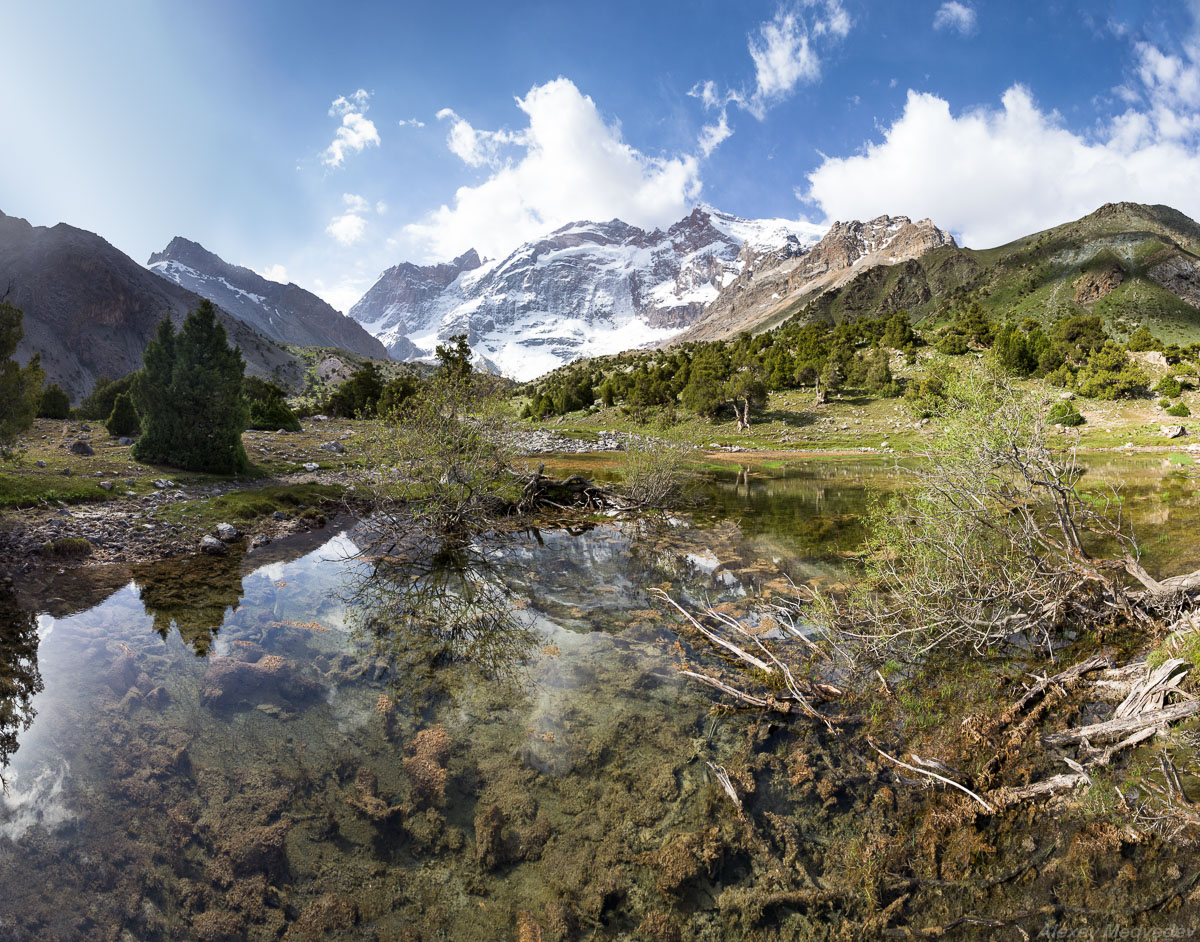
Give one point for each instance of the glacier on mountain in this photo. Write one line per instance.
(586, 289)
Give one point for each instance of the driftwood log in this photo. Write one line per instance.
(574, 492)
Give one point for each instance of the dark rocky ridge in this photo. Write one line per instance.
(285, 313)
(90, 309)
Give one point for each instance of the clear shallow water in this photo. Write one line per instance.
(323, 746)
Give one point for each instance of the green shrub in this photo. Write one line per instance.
(56, 404)
(1142, 339)
(1164, 403)
(98, 404)
(124, 420)
(1064, 412)
(1169, 386)
(1180, 410)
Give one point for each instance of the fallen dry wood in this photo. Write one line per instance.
(934, 775)
(1151, 693)
(1095, 662)
(1105, 757)
(714, 637)
(763, 704)
(1115, 729)
(726, 783)
(1051, 786)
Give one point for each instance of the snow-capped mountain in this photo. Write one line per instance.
(285, 313)
(585, 289)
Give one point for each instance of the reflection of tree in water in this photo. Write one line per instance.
(192, 594)
(442, 616)
(20, 680)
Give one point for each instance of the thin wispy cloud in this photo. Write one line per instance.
(357, 131)
(956, 17)
(786, 53)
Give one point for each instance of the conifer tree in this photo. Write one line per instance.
(190, 396)
(20, 386)
(56, 404)
(124, 419)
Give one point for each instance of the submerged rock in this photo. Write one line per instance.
(229, 682)
(260, 850)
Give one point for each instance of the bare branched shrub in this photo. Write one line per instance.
(444, 456)
(995, 538)
(656, 474)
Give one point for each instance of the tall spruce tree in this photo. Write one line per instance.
(20, 386)
(190, 396)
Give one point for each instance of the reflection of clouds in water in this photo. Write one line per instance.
(41, 803)
(45, 626)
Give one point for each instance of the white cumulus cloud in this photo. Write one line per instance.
(959, 17)
(356, 132)
(411, 123)
(992, 175)
(277, 273)
(348, 228)
(568, 164)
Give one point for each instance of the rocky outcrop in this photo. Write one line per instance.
(285, 313)
(1181, 276)
(1093, 285)
(90, 309)
(773, 283)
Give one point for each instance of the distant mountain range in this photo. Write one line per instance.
(585, 289)
(89, 308)
(285, 313)
(591, 288)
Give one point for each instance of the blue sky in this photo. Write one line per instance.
(325, 142)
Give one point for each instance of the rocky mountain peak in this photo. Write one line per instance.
(586, 288)
(285, 313)
(773, 279)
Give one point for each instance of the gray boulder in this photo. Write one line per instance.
(80, 447)
(212, 546)
(227, 532)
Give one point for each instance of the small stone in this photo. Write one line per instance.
(279, 515)
(161, 484)
(212, 546)
(1173, 431)
(311, 466)
(335, 447)
(66, 472)
(80, 447)
(227, 532)
(125, 440)
(260, 540)
(39, 464)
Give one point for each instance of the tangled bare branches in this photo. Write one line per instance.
(996, 538)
